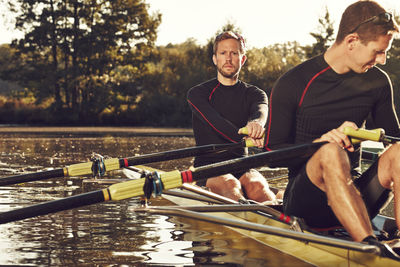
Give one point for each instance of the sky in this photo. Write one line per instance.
(262, 22)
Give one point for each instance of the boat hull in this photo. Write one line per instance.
(316, 254)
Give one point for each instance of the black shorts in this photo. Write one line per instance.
(305, 200)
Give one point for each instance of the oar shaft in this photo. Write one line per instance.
(54, 206)
(23, 178)
(278, 158)
(174, 179)
(85, 168)
(178, 154)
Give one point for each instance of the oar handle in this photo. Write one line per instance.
(245, 131)
(249, 142)
(359, 135)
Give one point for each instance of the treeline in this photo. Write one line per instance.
(95, 63)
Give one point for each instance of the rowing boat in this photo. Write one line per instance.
(320, 249)
(351, 254)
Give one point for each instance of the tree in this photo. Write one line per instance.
(75, 51)
(265, 65)
(176, 69)
(323, 37)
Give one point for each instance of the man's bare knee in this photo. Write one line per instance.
(330, 158)
(389, 166)
(250, 176)
(226, 185)
(332, 152)
(226, 181)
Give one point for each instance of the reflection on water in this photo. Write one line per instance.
(108, 233)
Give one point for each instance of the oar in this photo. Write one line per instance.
(377, 135)
(115, 163)
(167, 180)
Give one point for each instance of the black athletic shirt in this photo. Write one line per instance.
(312, 99)
(219, 111)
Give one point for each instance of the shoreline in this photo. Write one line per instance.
(97, 130)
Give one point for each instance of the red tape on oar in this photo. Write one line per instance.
(187, 176)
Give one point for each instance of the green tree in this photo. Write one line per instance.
(265, 65)
(177, 68)
(75, 51)
(323, 36)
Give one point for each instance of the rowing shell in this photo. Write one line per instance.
(273, 233)
(320, 255)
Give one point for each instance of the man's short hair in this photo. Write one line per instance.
(229, 35)
(368, 19)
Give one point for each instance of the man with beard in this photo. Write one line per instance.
(221, 107)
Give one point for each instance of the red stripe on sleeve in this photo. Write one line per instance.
(310, 82)
(269, 122)
(300, 103)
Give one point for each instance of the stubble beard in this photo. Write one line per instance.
(229, 75)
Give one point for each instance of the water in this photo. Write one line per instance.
(108, 234)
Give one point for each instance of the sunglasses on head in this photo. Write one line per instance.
(381, 18)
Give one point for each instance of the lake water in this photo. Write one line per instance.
(108, 234)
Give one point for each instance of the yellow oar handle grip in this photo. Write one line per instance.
(249, 142)
(244, 130)
(360, 135)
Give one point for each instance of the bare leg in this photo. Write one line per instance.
(389, 175)
(329, 170)
(226, 185)
(256, 186)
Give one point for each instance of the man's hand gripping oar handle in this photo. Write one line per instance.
(249, 142)
(377, 135)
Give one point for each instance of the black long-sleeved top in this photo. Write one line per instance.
(219, 111)
(312, 99)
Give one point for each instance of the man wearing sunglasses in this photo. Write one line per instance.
(314, 102)
(221, 107)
